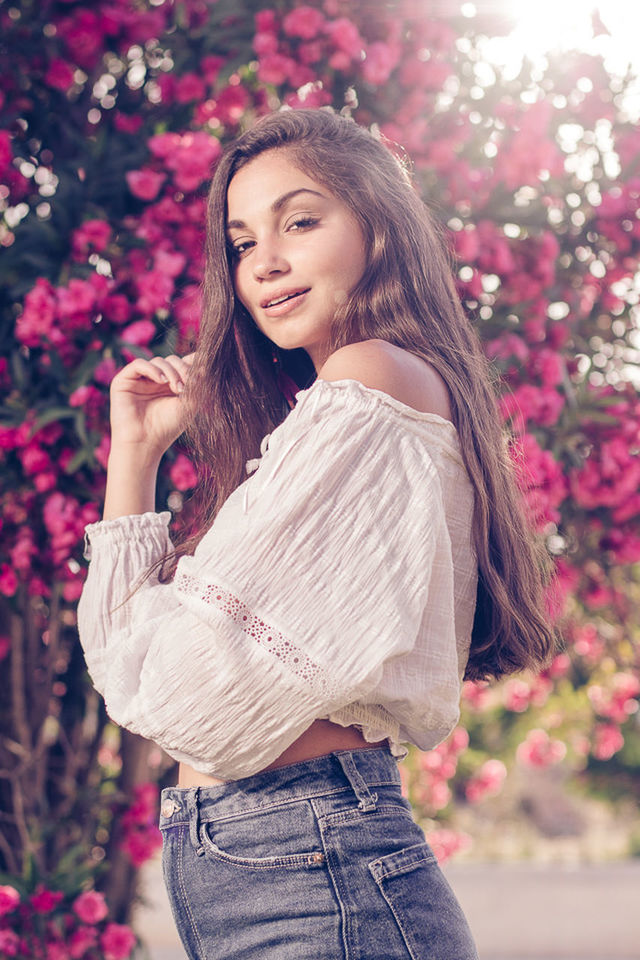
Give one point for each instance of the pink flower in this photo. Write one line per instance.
(618, 703)
(72, 589)
(162, 145)
(59, 75)
(117, 941)
(9, 943)
(275, 68)
(266, 20)
(140, 333)
(560, 666)
(8, 581)
(210, 67)
(310, 52)
(65, 520)
(9, 896)
(80, 396)
(23, 551)
(540, 478)
(538, 750)
(459, 740)
(609, 477)
(155, 290)
(76, 303)
(517, 695)
(193, 160)
(81, 940)
(105, 371)
(5, 646)
(141, 844)
(38, 314)
(83, 34)
(6, 153)
(90, 906)
(265, 44)
(144, 183)
(101, 452)
(182, 473)
(44, 900)
(170, 262)
(475, 694)
(542, 405)
(116, 308)
(190, 87)
(305, 22)
(56, 951)
(607, 740)
(231, 104)
(92, 235)
(166, 83)
(345, 37)
(127, 123)
(379, 62)
(467, 244)
(187, 311)
(548, 365)
(487, 781)
(445, 843)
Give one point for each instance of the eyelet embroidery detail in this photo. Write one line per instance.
(272, 640)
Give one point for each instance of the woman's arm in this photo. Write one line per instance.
(146, 418)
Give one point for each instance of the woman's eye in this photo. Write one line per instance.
(237, 249)
(301, 222)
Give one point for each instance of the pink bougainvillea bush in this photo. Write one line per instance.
(112, 118)
(50, 924)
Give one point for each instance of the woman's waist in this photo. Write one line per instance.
(321, 738)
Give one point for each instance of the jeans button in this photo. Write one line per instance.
(168, 808)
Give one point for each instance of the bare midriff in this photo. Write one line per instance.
(321, 737)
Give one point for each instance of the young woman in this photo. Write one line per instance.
(375, 555)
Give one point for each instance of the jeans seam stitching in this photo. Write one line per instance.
(185, 901)
(406, 867)
(397, 919)
(257, 863)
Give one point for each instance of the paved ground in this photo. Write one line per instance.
(518, 911)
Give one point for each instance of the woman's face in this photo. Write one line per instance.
(298, 252)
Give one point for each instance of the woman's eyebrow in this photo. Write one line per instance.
(277, 205)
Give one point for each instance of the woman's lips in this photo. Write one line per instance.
(285, 306)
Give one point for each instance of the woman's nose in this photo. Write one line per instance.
(268, 260)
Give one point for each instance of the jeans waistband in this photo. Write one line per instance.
(343, 770)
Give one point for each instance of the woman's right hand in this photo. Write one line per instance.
(146, 409)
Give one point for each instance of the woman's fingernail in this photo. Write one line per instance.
(179, 386)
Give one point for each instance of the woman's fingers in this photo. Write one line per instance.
(172, 370)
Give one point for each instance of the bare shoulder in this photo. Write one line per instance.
(392, 370)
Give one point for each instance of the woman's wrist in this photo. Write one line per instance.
(132, 471)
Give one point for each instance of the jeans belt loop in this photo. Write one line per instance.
(366, 800)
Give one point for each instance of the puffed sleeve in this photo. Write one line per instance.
(313, 577)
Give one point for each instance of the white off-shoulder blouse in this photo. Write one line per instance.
(338, 581)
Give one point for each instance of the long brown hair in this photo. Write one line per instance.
(406, 297)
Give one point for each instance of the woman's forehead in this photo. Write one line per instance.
(261, 185)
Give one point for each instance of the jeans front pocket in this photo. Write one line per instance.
(424, 907)
(268, 838)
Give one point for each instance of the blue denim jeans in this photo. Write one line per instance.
(319, 860)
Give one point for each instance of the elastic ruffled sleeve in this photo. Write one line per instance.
(313, 579)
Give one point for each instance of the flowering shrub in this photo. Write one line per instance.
(111, 120)
(49, 925)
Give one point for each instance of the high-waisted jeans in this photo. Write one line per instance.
(319, 860)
